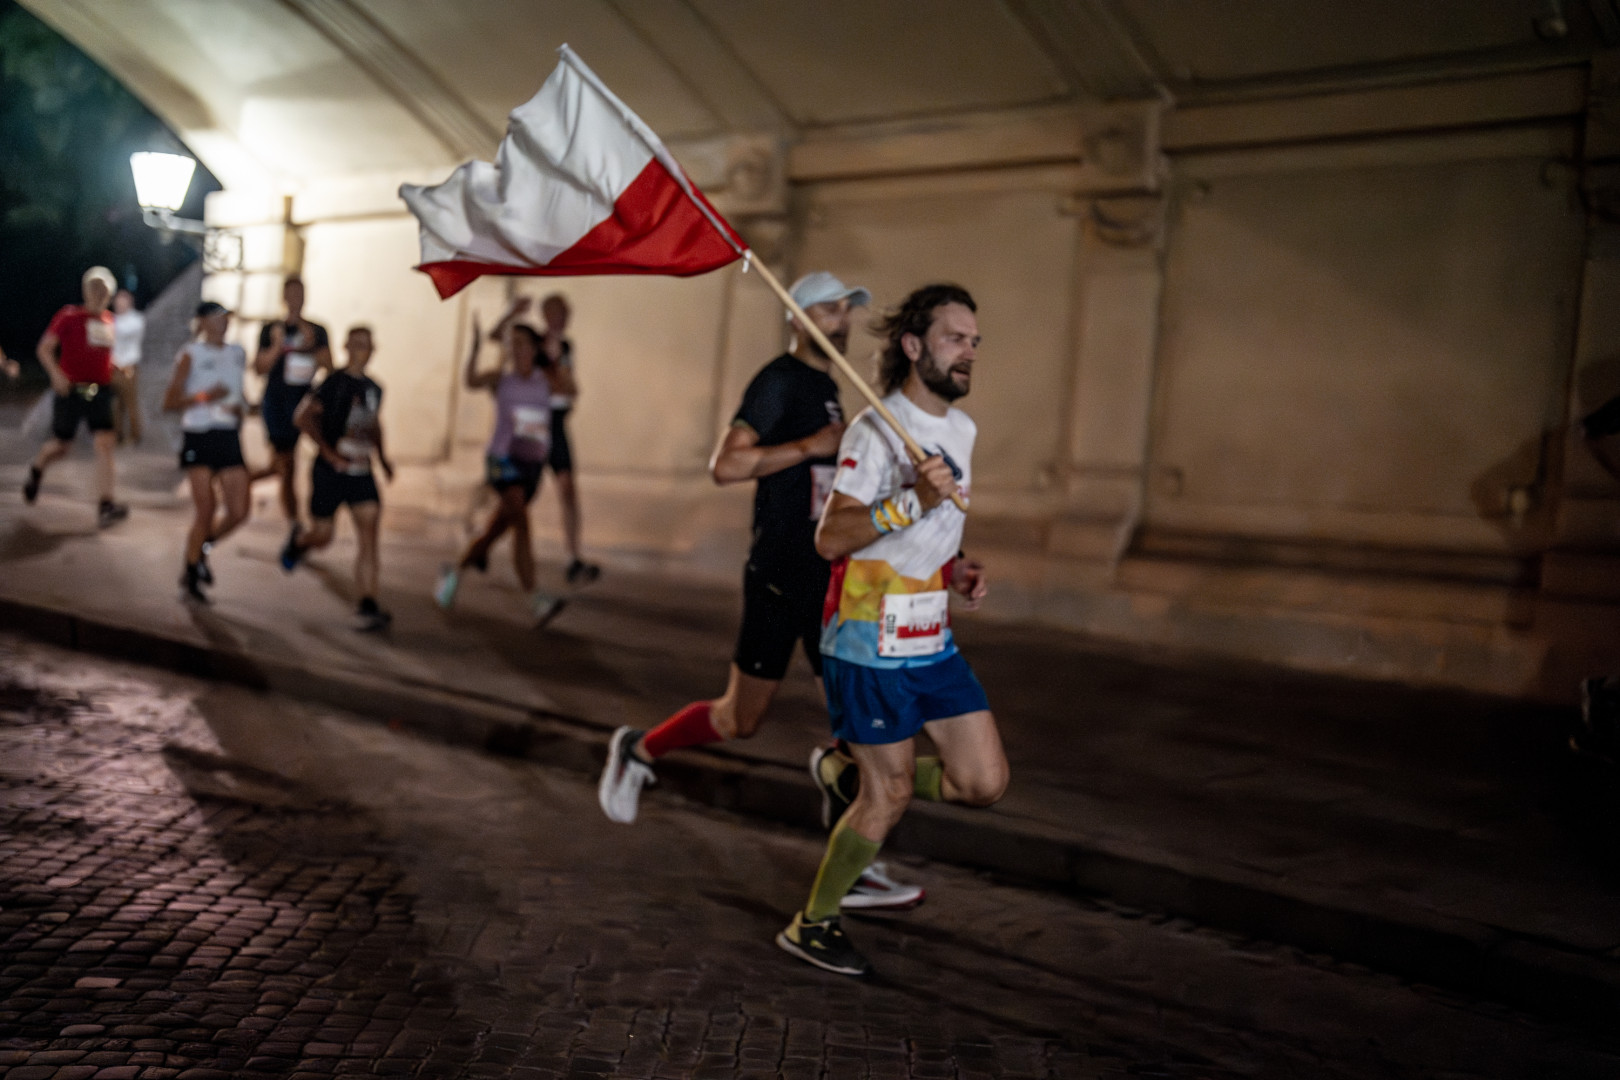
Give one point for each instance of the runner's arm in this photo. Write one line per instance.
(270, 349)
(475, 379)
(847, 524)
(307, 419)
(174, 395)
(382, 454)
(738, 455)
(517, 307)
(968, 580)
(560, 378)
(46, 351)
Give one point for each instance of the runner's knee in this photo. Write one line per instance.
(981, 787)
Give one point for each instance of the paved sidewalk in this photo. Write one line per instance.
(1443, 837)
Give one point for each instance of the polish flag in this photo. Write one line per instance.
(580, 185)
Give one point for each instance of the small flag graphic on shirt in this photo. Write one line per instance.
(580, 185)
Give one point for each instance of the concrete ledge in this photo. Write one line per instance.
(1537, 975)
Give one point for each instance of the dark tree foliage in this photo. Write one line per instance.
(67, 200)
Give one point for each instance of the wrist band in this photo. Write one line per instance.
(896, 513)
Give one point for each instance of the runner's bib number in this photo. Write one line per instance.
(912, 624)
(299, 369)
(821, 486)
(531, 422)
(358, 454)
(98, 334)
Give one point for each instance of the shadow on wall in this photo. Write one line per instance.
(1597, 383)
(1512, 494)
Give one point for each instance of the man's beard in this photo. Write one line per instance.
(839, 341)
(938, 379)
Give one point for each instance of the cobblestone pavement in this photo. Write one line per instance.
(199, 882)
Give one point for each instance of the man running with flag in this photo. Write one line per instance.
(890, 663)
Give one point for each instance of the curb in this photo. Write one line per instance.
(1537, 975)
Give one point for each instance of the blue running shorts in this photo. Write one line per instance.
(871, 706)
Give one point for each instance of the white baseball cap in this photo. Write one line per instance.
(820, 287)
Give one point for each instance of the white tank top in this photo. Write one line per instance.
(212, 365)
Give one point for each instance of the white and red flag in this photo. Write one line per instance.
(580, 185)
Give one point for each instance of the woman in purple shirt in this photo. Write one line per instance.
(515, 456)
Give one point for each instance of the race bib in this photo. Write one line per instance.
(299, 369)
(821, 486)
(358, 453)
(531, 422)
(98, 334)
(912, 624)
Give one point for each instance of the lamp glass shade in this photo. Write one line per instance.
(161, 180)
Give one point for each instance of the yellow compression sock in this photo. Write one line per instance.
(929, 779)
(848, 853)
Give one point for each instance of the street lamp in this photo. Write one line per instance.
(161, 183)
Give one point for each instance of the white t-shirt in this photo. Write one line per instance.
(891, 610)
(128, 330)
(212, 365)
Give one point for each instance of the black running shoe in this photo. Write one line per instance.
(372, 617)
(291, 553)
(191, 585)
(205, 573)
(822, 944)
(837, 779)
(31, 488)
(580, 572)
(110, 513)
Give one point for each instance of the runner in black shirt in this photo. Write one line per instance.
(342, 417)
(785, 437)
(291, 352)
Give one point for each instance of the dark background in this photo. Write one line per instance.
(67, 199)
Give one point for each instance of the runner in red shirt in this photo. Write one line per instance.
(76, 352)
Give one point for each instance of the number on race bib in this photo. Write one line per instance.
(912, 624)
(531, 422)
(299, 369)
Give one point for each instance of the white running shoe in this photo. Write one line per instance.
(619, 791)
(877, 891)
(444, 593)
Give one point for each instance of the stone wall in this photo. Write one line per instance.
(1285, 380)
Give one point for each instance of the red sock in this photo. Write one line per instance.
(689, 727)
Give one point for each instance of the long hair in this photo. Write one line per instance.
(914, 316)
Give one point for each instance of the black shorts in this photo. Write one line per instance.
(780, 610)
(562, 455)
(215, 451)
(505, 472)
(330, 489)
(88, 402)
(277, 410)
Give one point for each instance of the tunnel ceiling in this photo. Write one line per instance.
(284, 92)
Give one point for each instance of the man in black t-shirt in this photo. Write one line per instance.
(291, 352)
(342, 419)
(784, 437)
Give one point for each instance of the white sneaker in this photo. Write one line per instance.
(619, 791)
(877, 891)
(444, 593)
